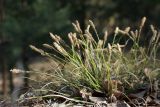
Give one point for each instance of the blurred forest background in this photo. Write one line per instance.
(25, 22)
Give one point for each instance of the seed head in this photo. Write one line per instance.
(143, 22)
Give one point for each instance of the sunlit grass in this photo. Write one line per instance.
(96, 65)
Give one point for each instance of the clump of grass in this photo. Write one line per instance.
(96, 65)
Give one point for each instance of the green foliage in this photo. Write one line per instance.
(28, 22)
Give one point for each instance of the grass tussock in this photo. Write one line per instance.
(94, 65)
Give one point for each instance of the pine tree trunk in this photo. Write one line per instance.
(24, 4)
(4, 77)
(3, 62)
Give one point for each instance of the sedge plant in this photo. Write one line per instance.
(96, 65)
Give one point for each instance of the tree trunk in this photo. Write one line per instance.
(3, 61)
(26, 75)
(4, 77)
(24, 4)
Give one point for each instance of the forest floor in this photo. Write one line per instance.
(36, 81)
